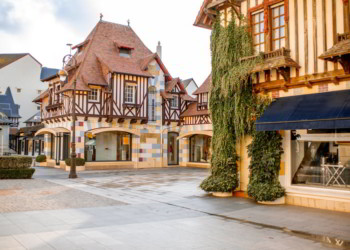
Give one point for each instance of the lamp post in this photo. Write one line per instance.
(69, 60)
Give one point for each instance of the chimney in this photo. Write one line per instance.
(159, 50)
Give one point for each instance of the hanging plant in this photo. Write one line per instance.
(231, 102)
(234, 109)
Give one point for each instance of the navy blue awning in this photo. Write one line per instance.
(330, 110)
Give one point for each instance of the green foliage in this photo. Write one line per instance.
(265, 152)
(21, 173)
(15, 162)
(41, 158)
(231, 102)
(78, 162)
(234, 109)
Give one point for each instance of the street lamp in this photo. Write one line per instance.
(69, 60)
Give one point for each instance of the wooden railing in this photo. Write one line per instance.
(268, 55)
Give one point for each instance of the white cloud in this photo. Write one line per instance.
(43, 27)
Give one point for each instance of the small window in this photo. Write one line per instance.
(174, 102)
(39, 91)
(93, 95)
(130, 94)
(258, 32)
(205, 98)
(125, 52)
(38, 107)
(18, 90)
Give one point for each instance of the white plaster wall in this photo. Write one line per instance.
(191, 88)
(4, 138)
(24, 74)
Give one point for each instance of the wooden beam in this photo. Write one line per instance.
(99, 119)
(121, 120)
(306, 41)
(296, 31)
(132, 121)
(324, 28)
(334, 22)
(144, 121)
(86, 118)
(335, 80)
(314, 34)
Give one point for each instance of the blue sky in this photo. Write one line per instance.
(44, 27)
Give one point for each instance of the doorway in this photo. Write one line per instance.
(173, 148)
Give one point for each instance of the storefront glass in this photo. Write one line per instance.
(324, 163)
(200, 148)
(173, 148)
(108, 146)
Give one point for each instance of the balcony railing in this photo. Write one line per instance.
(268, 55)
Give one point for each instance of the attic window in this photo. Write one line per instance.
(124, 52)
(18, 90)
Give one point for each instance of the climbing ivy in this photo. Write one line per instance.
(233, 105)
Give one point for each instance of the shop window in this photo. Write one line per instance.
(258, 32)
(321, 163)
(200, 148)
(278, 27)
(108, 146)
(130, 94)
(93, 95)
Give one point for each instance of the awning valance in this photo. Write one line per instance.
(53, 131)
(329, 110)
(188, 134)
(116, 129)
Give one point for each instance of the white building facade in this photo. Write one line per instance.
(21, 72)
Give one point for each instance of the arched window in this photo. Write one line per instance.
(152, 103)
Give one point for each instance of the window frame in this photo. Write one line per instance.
(134, 93)
(90, 94)
(272, 28)
(260, 32)
(267, 10)
(171, 101)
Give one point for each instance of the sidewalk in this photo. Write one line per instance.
(154, 209)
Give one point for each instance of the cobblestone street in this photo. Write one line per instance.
(153, 209)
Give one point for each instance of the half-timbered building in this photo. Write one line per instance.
(305, 46)
(127, 104)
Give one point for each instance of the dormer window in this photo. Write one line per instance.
(202, 101)
(124, 52)
(93, 95)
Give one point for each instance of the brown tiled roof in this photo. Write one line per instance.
(275, 62)
(42, 96)
(171, 84)
(205, 87)
(186, 97)
(102, 49)
(144, 62)
(6, 59)
(81, 44)
(192, 111)
(339, 49)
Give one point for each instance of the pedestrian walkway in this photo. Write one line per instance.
(154, 209)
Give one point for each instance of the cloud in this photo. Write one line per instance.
(75, 13)
(7, 21)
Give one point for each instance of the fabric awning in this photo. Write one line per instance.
(329, 110)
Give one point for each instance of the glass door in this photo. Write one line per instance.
(173, 149)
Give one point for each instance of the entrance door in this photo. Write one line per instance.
(65, 146)
(26, 147)
(173, 149)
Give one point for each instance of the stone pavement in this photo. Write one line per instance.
(153, 209)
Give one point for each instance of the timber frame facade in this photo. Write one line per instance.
(305, 46)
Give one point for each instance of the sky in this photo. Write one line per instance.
(44, 27)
